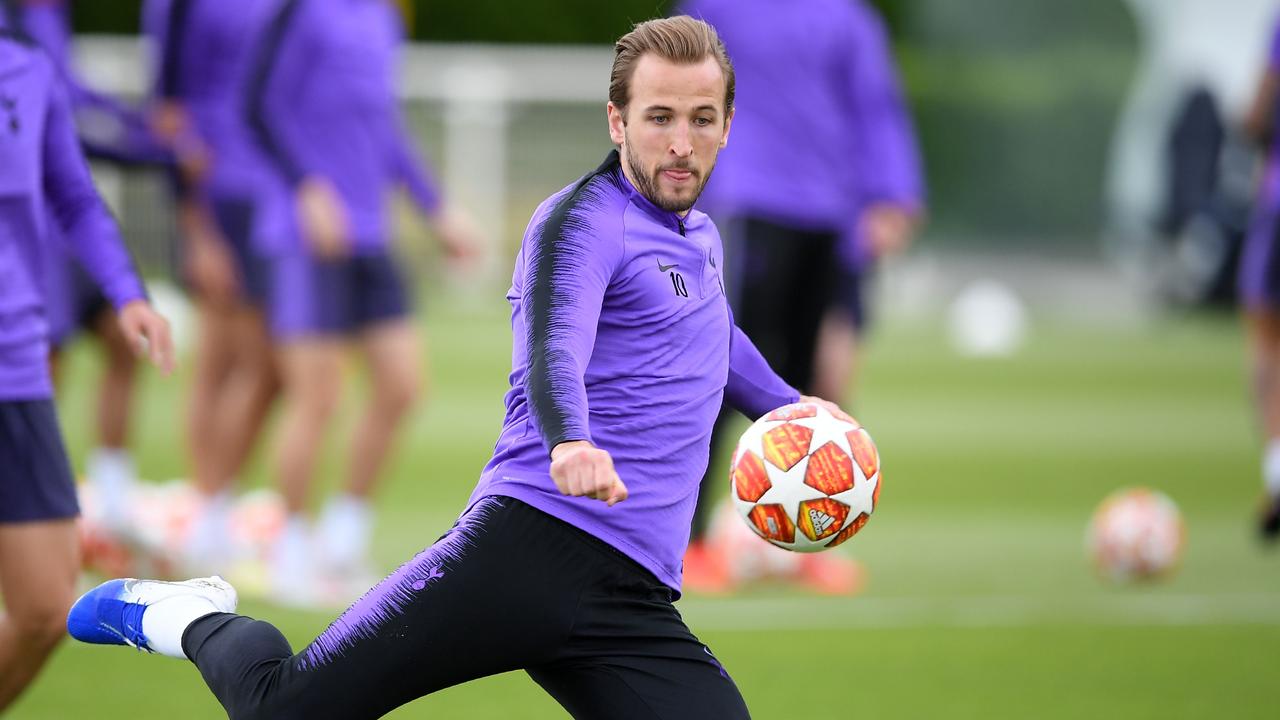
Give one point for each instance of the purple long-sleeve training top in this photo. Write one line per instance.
(44, 178)
(622, 336)
(203, 50)
(820, 129)
(108, 128)
(1269, 189)
(321, 101)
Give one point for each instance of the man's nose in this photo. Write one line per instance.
(681, 141)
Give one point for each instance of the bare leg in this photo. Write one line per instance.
(249, 390)
(238, 397)
(115, 395)
(1263, 328)
(837, 357)
(38, 563)
(395, 358)
(213, 363)
(312, 372)
(346, 525)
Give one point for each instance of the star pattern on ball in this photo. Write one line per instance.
(788, 488)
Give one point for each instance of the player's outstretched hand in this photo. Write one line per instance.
(323, 217)
(148, 332)
(458, 235)
(889, 228)
(830, 407)
(584, 470)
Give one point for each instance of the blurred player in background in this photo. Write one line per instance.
(567, 560)
(111, 131)
(823, 177)
(322, 103)
(44, 179)
(203, 50)
(1260, 285)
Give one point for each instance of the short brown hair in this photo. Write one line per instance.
(680, 39)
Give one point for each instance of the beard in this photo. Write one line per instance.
(648, 184)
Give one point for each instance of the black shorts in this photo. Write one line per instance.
(35, 476)
(309, 296)
(783, 280)
(508, 588)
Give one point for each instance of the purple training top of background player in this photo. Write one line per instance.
(321, 100)
(1257, 288)
(622, 336)
(202, 61)
(820, 128)
(108, 128)
(44, 178)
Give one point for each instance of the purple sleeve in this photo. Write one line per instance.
(569, 259)
(125, 137)
(281, 64)
(1273, 58)
(883, 127)
(168, 27)
(753, 387)
(412, 171)
(87, 226)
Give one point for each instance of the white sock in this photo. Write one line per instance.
(1271, 468)
(346, 526)
(112, 474)
(209, 543)
(111, 468)
(291, 560)
(164, 622)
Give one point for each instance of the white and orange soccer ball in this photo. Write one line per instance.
(805, 480)
(1136, 534)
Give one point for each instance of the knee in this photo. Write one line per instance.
(316, 401)
(397, 392)
(42, 627)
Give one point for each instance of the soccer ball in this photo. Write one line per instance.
(1136, 534)
(805, 480)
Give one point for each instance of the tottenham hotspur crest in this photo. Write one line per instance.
(9, 106)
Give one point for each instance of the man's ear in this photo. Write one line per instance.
(617, 123)
(728, 121)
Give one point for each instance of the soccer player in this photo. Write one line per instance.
(1259, 286)
(204, 49)
(111, 131)
(45, 179)
(823, 177)
(322, 103)
(567, 559)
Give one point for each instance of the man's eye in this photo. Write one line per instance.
(702, 122)
(659, 119)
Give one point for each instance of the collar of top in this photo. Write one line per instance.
(691, 221)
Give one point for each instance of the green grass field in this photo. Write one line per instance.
(980, 602)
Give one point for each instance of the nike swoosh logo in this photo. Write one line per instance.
(664, 268)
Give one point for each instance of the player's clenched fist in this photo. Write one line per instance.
(584, 470)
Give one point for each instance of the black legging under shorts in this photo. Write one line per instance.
(509, 587)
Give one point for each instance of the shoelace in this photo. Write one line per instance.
(131, 623)
(125, 619)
